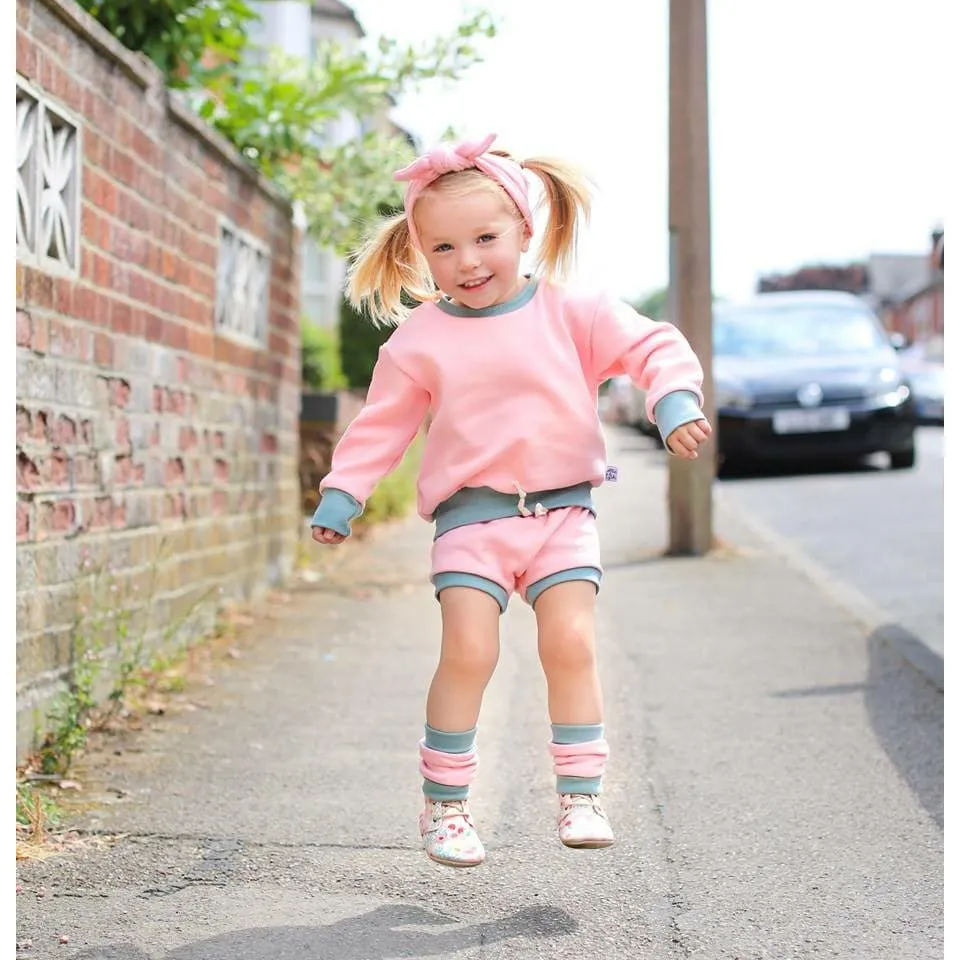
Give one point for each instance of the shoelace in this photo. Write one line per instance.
(452, 808)
(581, 800)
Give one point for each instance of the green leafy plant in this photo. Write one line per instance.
(396, 493)
(278, 110)
(34, 808)
(69, 719)
(360, 342)
(194, 42)
(36, 815)
(320, 358)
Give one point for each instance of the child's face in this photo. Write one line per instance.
(473, 244)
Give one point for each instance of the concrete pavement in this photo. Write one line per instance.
(881, 552)
(776, 778)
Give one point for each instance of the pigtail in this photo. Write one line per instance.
(567, 197)
(386, 267)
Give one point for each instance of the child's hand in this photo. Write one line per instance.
(687, 437)
(326, 535)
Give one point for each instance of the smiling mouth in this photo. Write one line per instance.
(475, 284)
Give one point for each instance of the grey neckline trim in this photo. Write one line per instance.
(508, 306)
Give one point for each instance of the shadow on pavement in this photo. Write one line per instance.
(371, 936)
(906, 713)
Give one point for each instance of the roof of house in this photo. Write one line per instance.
(818, 276)
(335, 10)
(894, 276)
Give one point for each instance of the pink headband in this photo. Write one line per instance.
(446, 159)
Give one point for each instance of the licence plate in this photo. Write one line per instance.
(811, 421)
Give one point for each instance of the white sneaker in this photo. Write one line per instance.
(582, 821)
(449, 836)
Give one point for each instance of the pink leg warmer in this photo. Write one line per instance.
(580, 759)
(449, 769)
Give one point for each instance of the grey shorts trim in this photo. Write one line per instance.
(457, 579)
(481, 505)
(590, 574)
(454, 578)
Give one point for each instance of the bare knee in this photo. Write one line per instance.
(470, 646)
(568, 647)
(468, 653)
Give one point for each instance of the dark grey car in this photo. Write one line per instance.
(808, 376)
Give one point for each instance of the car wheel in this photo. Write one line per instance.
(903, 459)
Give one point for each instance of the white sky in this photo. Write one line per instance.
(827, 123)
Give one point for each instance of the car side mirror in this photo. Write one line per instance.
(898, 341)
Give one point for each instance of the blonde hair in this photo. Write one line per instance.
(388, 270)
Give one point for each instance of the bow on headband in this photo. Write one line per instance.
(448, 159)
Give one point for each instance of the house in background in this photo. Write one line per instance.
(299, 29)
(916, 308)
(850, 278)
(891, 276)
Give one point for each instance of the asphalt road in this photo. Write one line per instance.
(879, 531)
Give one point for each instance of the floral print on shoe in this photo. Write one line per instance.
(448, 834)
(582, 821)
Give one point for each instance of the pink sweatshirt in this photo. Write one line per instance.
(511, 393)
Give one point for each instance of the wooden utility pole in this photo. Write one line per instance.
(690, 481)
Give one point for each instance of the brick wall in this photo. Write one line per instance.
(919, 317)
(158, 366)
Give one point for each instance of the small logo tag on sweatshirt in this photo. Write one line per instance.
(611, 474)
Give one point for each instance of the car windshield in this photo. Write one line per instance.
(781, 331)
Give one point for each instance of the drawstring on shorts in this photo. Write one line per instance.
(538, 510)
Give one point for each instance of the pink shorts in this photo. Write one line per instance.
(522, 554)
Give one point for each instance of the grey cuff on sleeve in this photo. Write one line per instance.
(675, 409)
(335, 511)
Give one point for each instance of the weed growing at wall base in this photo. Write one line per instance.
(46, 802)
(111, 646)
(108, 643)
(37, 814)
